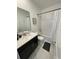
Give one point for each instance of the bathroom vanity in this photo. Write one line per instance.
(26, 44)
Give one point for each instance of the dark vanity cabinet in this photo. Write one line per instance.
(28, 48)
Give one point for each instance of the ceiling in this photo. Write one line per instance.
(45, 3)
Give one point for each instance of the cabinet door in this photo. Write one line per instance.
(27, 49)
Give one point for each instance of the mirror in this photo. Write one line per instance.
(23, 20)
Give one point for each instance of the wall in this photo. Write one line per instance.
(29, 6)
(34, 10)
(55, 6)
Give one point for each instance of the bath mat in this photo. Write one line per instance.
(46, 46)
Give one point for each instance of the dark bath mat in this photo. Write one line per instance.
(46, 46)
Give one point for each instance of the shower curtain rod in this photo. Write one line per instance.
(49, 11)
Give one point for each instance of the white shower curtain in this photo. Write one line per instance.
(58, 36)
(48, 24)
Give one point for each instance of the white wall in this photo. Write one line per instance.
(34, 10)
(55, 6)
(29, 6)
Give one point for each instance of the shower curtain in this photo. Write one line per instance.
(50, 27)
(48, 24)
(58, 36)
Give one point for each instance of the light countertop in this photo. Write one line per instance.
(25, 39)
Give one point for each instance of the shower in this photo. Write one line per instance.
(50, 28)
